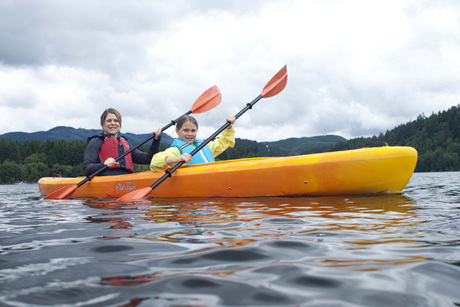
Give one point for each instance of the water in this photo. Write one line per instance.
(399, 250)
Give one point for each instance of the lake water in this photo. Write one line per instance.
(398, 250)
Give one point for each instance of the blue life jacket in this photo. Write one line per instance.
(203, 156)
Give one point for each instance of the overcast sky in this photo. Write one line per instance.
(355, 68)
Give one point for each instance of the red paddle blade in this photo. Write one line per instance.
(276, 84)
(207, 101)
(62, 193)
(135, 195)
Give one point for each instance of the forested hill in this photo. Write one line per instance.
(72, 134)
(436, 138)
(297, 146)
(288, 147)
(30, 156)
(244, 148)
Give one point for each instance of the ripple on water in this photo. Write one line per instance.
(398, 250)
(225, 292)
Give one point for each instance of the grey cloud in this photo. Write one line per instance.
(348, 74)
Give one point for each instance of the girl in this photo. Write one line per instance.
(186, 142)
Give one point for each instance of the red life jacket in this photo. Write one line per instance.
(114, 147)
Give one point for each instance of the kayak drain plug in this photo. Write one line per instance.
(305, 182)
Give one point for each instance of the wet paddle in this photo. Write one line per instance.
(273, 87)
(207, 101)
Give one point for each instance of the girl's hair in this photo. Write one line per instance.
(113, 111)
(186, 118)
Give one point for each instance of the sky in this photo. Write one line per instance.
(355, 67)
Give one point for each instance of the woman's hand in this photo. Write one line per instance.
(110, 162)
(157, 133)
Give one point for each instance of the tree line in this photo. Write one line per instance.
(436, 138)
(30, 160)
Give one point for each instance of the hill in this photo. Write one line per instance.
(29, 156)
(72, 134)
(297, 146)
(291, 146)
(436, 138)
(287, 147)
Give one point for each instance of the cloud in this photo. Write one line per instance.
(355, 68)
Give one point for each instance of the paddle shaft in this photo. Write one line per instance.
(172, 123)
(168, 173)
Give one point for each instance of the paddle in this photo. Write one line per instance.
(207, 101)
(273, 87)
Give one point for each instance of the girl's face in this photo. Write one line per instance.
(187, 132)
(111, 125)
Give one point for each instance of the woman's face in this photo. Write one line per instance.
(111, 125)
(187, 132)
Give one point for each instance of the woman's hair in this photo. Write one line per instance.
(113, 111)
(186, 118)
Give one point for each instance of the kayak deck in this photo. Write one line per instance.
(378, 170)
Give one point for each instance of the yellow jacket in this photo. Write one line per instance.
(218, 146)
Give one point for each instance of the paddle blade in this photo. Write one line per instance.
(276, 84)
(135, 195)
(62, 193)
(207, 101)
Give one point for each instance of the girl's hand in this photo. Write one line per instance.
(185, 157)
(157, 133)
(231, 119)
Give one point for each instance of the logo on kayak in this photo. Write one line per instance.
(125, 186)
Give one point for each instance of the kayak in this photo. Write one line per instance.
(369, 170)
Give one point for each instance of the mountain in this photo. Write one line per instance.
(298, 146)
(436, 138)
(291, 146)
(288, 147)
(71, 134)
(30, 156)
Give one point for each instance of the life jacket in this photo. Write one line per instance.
(203, 156)
(115, 147)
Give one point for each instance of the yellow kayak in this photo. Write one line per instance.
(377, 170)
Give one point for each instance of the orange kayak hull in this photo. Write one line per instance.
(381, 170)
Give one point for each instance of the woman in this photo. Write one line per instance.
(186, 142)
(103, 149)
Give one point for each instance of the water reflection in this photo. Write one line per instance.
(382, 213)
(356, 224)
(352, 213)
